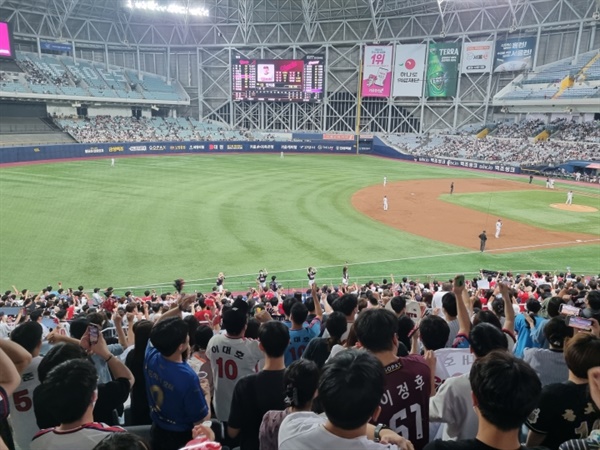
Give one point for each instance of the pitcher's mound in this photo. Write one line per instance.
(573, 208)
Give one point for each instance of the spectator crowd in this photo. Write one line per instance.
(36, 75)
(514, 143)
(513, 151)
(98, 129)
(485, 363)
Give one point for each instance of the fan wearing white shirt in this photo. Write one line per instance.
(29, 336)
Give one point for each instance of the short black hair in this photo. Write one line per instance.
(376, 328)
(593, 299)
(301, 379)
(234, 320)
(507, 389)
(122, 441)
(288, 302)
(434, 332)
(347, 303)
(398, 303)
(167, 335)
(70, 387)
(487, 316)
(299, 313)
(485, 337)
(252, 328)
(449, 304)
(36, 314)
(57, 355)
(553, 306)
(357, 377)
(405, 326)
(78, 327)
(203, 334)
(28, 335)
(274, 336)
(336, 324)
(192, 323)
(533, 306)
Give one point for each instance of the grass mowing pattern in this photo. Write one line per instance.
(531, 207)
(153, 219)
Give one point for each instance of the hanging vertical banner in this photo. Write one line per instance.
(377, 71)
(442, 69)
(477, 57)
(409, 69)
(514, 54)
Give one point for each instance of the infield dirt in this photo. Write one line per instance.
(415, 207)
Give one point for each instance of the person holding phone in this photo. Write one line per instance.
(111, 395)
(72, 388)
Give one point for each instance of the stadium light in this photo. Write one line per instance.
(173, 8)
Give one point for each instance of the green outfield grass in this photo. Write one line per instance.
(150, 220)
(532, 207)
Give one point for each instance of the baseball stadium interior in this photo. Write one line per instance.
(466, 103)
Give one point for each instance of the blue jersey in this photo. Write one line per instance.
(299, 340)
(524, 339)
(174, 394)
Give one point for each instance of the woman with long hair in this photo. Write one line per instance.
(140, 410)
(300, 379)
(319, 349)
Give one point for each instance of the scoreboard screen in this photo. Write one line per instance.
(287, 80)
(6, 45)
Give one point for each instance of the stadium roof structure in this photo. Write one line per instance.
(197, 50)
(307, 12)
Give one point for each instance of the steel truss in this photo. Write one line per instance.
(198, 51)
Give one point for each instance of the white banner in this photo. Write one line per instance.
(409, 70)
(477, 57)
(452, 362)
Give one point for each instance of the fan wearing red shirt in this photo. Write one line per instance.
(109, 304)
(206, 314)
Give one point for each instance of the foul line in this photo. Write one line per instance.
(408, 258)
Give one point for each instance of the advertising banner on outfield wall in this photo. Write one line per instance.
(377, 71)
(477, 57)
(11, 155)
(442, 69)
(514, 54)
(409, 70)
(468, 164)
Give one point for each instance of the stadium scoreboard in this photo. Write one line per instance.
(287, 80)
(6, 43)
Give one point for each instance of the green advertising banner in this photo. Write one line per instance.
(442, 69)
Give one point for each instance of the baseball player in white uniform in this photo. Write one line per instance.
(569, 198)
(385, 203)
(498, 228)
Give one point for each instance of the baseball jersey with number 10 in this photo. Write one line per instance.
(230, 359)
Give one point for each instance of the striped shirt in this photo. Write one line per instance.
(550, 365)
(82, 437)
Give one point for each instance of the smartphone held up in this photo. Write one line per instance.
(580, 323)
(94, 334)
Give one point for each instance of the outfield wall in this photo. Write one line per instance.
(380, 148)
(24, 154)
(76, 151)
